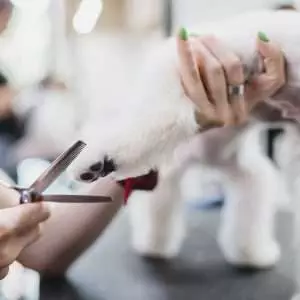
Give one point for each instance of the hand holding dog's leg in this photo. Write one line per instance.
(205, 69)
(208, 68)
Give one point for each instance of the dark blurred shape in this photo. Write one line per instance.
(3, 80)
(265, 112)
(4, 4)
(272, 135)
(6, 8)
(11, 128)
(58, 289)
(285, 7)
(168, 17)
(51, 83)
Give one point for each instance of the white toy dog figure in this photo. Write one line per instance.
(160, 132)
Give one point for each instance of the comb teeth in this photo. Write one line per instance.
(57, 167)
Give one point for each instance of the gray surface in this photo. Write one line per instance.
(111, 271)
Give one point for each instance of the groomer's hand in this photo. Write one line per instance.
(213, 76)
(19, 227)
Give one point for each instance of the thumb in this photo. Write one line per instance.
(272, 55)
(22, 217)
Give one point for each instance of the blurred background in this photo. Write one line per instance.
(57, 57)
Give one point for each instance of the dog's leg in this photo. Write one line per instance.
(157, 219)
(288, 161)
(253, 188)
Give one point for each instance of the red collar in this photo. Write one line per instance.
(146, 182)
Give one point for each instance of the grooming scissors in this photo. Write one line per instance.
(34, 193)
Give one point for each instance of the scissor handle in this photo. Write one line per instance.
(27, 196)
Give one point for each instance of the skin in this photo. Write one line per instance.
(56, 249)
(206, 71)
(19, 227)
(5, 13)
(207, 67)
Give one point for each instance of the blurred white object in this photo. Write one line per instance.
(87, 16)
(29, 170)
(20, 283)
(190, 13)
(143, 15)
(60, 66)
(51, 128)
(5, 178)
(201, 184)
(32, 6)
(25, 46)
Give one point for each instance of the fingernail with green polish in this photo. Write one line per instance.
(183, 34)
(263, 37)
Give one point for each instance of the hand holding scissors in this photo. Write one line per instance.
(34, 193)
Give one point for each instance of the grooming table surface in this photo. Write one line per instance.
(111, 271)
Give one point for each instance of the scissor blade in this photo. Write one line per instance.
(76, 199)
(57, 167)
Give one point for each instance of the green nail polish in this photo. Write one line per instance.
(183, 34)
(263, 37)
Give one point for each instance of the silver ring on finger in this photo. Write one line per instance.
(236, 90)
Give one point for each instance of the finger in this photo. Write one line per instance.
(214, 80)
(4, 272)
(22, 217)
(187, 64)
(264, 85)
(274, 62)
(190, 77)
(34, 215)
(231, 63)
(234, 72)
(10, 250)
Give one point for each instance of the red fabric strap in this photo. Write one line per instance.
(146, 183)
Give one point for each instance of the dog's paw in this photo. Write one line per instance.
(149, 250)
(259, 256)
(110, 153)
(91, 171)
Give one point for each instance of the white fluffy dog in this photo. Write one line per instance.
(156, 129)
(159, 117)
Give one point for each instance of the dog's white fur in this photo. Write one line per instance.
(159, 130)
(156, 128)
(150, 125)
(254, 189)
